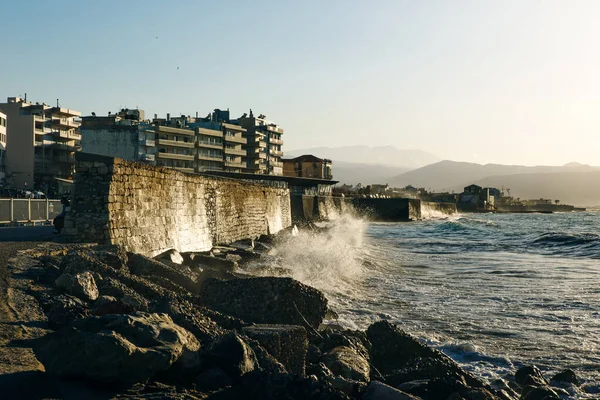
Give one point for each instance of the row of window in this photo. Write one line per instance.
(2, 121)
(3, 137)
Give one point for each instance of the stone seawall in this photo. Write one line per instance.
(151, 209)
(444, 208)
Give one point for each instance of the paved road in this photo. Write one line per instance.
(27, 234)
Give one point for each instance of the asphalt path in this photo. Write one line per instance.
(39, 233)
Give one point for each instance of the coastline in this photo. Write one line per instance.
(237, 334)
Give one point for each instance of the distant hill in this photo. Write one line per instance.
(572, 183)
(379, 155)
(452, 175)
(353, 173)
(578, 188)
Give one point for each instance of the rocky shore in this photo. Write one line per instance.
(106, 323)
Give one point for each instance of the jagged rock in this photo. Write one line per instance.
(62, 309)
(232, 355)
(81, 285)
(152, 269)
(172, 256)
(202, 261)
(236, 258)
(129, 297)
(189, 316)
(539, 393)
(213, 379)
(287, 343)
(111, 255)
(530, 376)
(118, 348)
(313, 354)
(443, 388)
(347, 363)
(380, 391)
(263, 385)
(568, 375)
(266, 300)
(356, 340)
(265, 360)
(111, 305)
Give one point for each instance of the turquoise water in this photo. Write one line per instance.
(494, 291)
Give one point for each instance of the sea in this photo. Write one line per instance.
(493, 291)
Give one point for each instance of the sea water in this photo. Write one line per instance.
(493, 291)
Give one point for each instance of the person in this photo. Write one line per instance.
(59, 220)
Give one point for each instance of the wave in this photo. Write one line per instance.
(582, 244)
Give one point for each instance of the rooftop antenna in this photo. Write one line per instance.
(57, 105)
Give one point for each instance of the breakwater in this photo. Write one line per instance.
(149, 209)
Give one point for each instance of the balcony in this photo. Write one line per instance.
(147, 157)
(184, 169)
(273, 128)
(235, 152)
(276, 141)
(171, 156)
(175, 143)
(276, 153)
(235, 164)
(209, 145)
(147, 142)
(65, 123)
(65, 136)
(235, 139)
(206, 157)
(275, 164)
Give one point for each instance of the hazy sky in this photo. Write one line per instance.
(483, 81)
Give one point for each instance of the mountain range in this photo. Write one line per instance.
(572, 183)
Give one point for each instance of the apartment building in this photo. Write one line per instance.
(263, 144)
(308, 166)
(2, 147)
(41, 142)
(125, 135)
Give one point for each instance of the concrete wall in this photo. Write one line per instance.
(117, 141)
(394, 209)
(152, 209)
(444, 208)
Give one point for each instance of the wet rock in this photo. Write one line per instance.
(159, 272)
(347, 363)
(263, 385)
(444, 388)
(110, 305)
(118, 348)
(266, 300)
(568, 375)
(62, 309)
(81, 285)
(530, 376)
(287, 343)
(380, 391)
(232, 355)
(539, 393)
(313, 354)
(172, 256)
(213, 379)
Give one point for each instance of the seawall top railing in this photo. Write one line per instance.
(23, 211)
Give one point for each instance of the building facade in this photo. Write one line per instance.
(308, 166)
(2, 147)
(41, 142)
(263, 145)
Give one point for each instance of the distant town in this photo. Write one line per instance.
(38, 143)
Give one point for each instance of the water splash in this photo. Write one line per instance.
(429, 213)
(326, 257)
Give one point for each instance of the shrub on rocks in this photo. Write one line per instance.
(81, 285)
(118, 348)
(266, 300)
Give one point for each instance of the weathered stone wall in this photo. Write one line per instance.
(151, 209)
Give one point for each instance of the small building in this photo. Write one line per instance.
(2, 147)
(475, 189)
(308, 166)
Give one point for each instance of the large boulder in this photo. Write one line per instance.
(81, 285)
(119, 348)
(287, 343)
(233, 355)
(62, 309)
(380, 391)
(151, 269)
(347, 363)
(266, 300)
(530, 375)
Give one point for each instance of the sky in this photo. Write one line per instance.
(511, 82)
